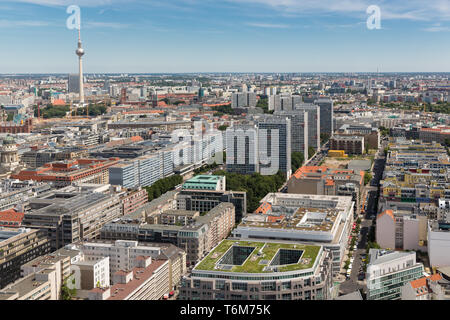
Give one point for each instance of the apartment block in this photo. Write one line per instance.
(17, 247)
(350, 144)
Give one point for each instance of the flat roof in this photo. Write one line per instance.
(260, 257)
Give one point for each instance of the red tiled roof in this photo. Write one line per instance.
(11, 216)
(121, 291)
(388, 212)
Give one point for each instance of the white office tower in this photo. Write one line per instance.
(80, 53)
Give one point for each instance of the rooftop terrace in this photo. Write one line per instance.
(259, 257)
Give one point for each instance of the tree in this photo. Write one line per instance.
(324, 137)
(66, 292)
(367, 178)
(384, 131)
(311, 152)
(255, 185)
(263, 103)
(162, 186)
(297, 159)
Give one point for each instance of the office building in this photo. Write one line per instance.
(73, 84)
(389, 271)
(326, 115)
(205, 200)
(320, 220)
(260, 270)
(313, 123)
(242, 149)
(205, 182)
(274, 145)
(299, 130)
(71, 216)
(64, 173)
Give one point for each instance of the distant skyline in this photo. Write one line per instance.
(192, 36)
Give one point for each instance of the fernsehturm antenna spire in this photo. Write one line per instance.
(80, 53)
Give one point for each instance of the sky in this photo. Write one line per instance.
(180, 36)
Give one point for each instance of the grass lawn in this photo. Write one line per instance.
(252, 264)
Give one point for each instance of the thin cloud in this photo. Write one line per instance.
(23, 23)
(268, 25)
(414, 10)
(111, 25)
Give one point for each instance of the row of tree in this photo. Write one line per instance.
(297, 159)
(162, 186)
(255, 185)
(52, 111)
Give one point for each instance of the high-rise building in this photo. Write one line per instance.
(313, 124)
(326, 115)
(274, 145)
(284, 102)
(243, 99)
(299, 129)
(242, 149)
(73, 85)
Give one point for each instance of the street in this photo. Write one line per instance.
(356, 281)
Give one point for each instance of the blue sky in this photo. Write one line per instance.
(149, 36)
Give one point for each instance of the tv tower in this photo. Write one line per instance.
(80, 54)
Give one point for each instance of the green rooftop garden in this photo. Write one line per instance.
(253, 262)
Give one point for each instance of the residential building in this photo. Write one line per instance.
(17, 247)
(426, 288)
(439, 243)
(322, 180)
(149, 280)
(401, 230)
(350, 144)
